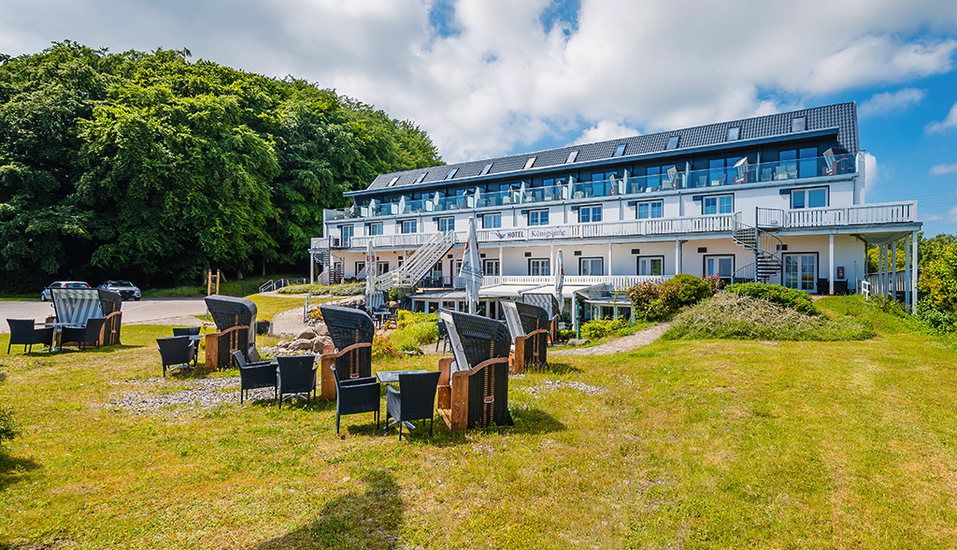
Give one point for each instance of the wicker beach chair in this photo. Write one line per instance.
(473, 386)
(529, 328)
(351, 331)
(235, 320)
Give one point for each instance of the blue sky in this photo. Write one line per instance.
(492, 77)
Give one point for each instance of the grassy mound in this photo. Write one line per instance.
(734, 316)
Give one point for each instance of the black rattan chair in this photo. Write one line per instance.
(24, 333)
(186, 331)
(473, 387)
(296, 376)
(84, 335)
(255, 375)
(356, 395)
(176, 352)
(414, 400)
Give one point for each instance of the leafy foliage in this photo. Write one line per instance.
(8, 424)
(735, 316)
(938, 279)
(599, 328)
(415, 329)
(658, 301)
(787, 297)
(152, 167)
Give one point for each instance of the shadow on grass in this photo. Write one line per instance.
(367, 519)
(534, 421)
(14, 469)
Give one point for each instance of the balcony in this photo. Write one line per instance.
(870, 214)
(767, 172)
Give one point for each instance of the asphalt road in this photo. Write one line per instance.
(166, 311)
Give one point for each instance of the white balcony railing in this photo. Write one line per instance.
(852, 215)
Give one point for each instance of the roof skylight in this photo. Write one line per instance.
(529, 163)
(571, 156)
(391, 183)
(452, 174)
(486, 169)
(798, 124)
(619, 150)
(421, 177)
(672, 142)
(734, 133)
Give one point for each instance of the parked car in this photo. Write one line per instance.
(125, 289)
(45, 296)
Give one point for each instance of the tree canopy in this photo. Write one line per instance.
(154, 167)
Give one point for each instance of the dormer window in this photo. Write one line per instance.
(452, 174)
(421, 177)
(529, 163)
(486, 169)
(571, 157)
(734, 133)
(798, 124)
(619, 150)
(672, 143)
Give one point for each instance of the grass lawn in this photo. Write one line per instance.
(681, 444)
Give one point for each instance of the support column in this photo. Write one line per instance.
(894, 271)
(913, 274)
(677, 257)
(501, 262)
(880, 270)
(609, 259)
(312, 268)
(907, 269)
(830, 266)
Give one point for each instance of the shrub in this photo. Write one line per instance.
(566, 335)
(599, 328)
(786, 297)
(405, 318)
(384, 348)
(8, 424)
(735, 316)
(659, 301)
(938, 280)
(347, 289)
(940, 322)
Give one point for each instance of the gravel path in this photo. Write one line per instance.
(625, 343)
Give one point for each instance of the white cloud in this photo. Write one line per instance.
(940, 169)
(871, 171)
(887, 103)
(948, 122)
(606, 130)
(501, 82)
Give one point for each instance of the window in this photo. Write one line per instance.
(800, 272)
(446, 224)
(538, 217)
(733, 133)
(571, 157)
(346, 232)
(408, 226)
(619, 150)
(718, 204)
(651, 265)
(722, 266)
(359, 267)
(591, 266)
(381, 267)
(529, 163)
(451, 173)
(538, 267)
(588, 214)
(646, 210)
(421, 177)
(492, 221)
(672, 142)
(798, 124)
(374, 229)
(809, 198)
(807, 166)
(391, 183)
(486, 169)
(787, 165)
(491, 268)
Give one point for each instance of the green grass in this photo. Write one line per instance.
(238, 287)
(681, 444)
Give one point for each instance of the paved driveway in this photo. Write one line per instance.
(166, 311)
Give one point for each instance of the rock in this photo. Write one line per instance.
(321, 329)
(307, 334)
(301, 343)
(326, 341)
(577, 342)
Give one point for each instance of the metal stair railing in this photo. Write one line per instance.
(419, 263)
(766, 248)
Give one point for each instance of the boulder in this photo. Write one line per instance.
(577, 342)
(301, 343)
(306, 334)
(321, 329)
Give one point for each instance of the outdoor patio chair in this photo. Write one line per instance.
(186, 331)
(356, 395)
(351, 331)
(253, 376)
(176, 353)
(414, 400)
(473, 386)
(296, 376)
(82, 336)
(24, 333)
(528, 326)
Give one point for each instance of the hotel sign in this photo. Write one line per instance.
(529, 234)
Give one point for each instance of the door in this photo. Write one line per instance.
(722, 266)
(800, 272)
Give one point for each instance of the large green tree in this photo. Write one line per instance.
(149, 165)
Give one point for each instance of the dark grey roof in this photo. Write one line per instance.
(842, 116)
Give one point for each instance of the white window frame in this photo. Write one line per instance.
(541, 265)
(650, 207)
(718, 209)
(592, 209)
(381, 267)
(373, 229)
(535, 217)
(446, 221)
(491, 267)
(717, 259)
(492, 216)
(650, 264)
(589, 272)
(806, 196)
(799, 283)
(359, 267)
(411, 223)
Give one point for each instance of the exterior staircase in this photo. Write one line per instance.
(766, 248)
(418, 263)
